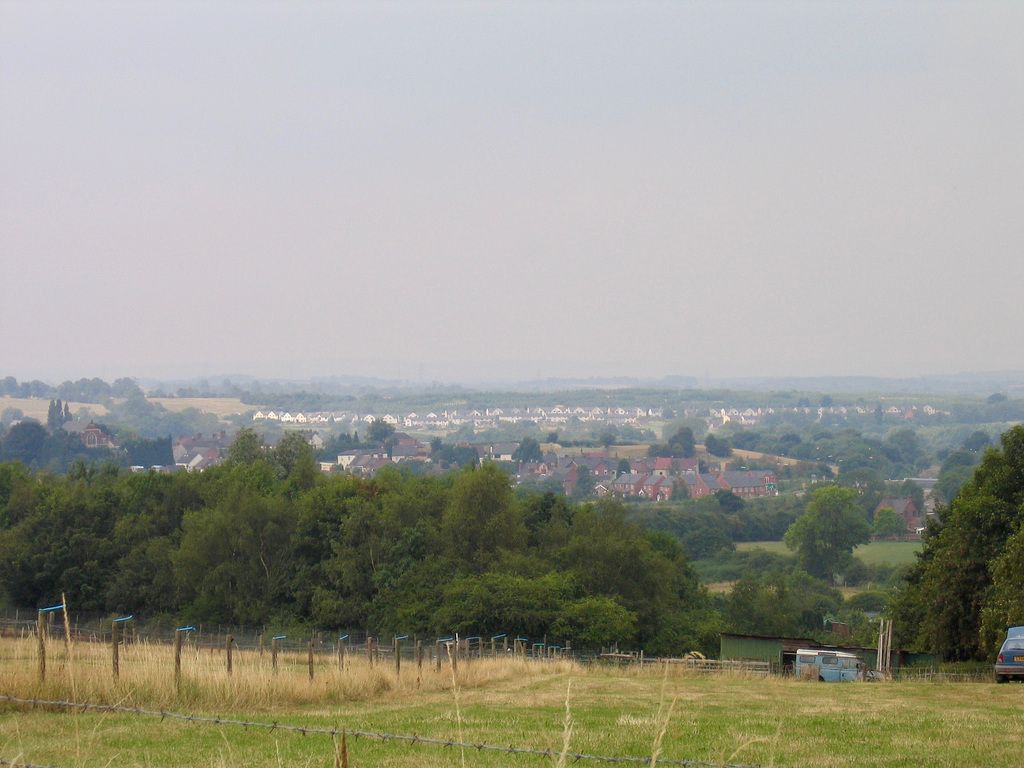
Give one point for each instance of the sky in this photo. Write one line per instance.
(484, 191)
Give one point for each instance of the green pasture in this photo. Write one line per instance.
(718, 719)
(875, 553)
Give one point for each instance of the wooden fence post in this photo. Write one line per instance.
(311, 661)
(229, 642)
(419, 656)
(177, 656)
(341, 654)
(115, 632)
(41, 631)
(369, 650)
(273, 654)
(398, 656)
(453, 652)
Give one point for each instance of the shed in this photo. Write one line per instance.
(780, 652)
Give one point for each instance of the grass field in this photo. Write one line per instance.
(38, 408)
(218, 406)
(875, 553)
(221, 407)
(596, 710)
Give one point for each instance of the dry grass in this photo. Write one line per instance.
(661, 712)
(84, 671)
(772, 458)
(38, 408)
(218, 406)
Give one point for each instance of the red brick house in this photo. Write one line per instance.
(754, 482)
(905, 508)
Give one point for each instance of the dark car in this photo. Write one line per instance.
(1010, 661)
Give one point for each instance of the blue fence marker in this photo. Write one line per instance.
(125, 618)
(52, 608)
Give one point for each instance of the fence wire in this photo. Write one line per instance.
(14, 764)
(376, 735)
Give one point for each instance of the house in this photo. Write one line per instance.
(754, 482)
(366, 465)
(198, 459)
(91, 434)
(699, 485)
(628, 485)
(502, 451)
(656, 488)
(905, 508)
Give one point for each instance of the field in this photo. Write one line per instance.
(218, 406)
(38, 408)
(875, 553)
(554, 705)
(221, 407)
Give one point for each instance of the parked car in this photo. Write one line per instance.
(1010, 661)
(829, 666)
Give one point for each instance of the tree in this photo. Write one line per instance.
(595, 622)
(682, 444)
(379, 431)
(608, 436)
(24, 442)
(825, 535)
(584, 485)
(55, 415)
(967, 569)
(289, 452)
(977, 441)
(9, 415)
(888, 523)
(1004, 601)
(903, 447)
(481, 518)
(624, 468)
(528, 450)
(718, 446)
(729, 502)
(247, 448)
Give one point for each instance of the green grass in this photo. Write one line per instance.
(754, 721)
(875, 553)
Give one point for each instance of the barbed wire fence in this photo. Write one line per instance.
(336, 732)
(14, 764)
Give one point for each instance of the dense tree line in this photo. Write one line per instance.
(968, 585)
(265, 537)
(81, 391)
(57, 451)
(712, 523)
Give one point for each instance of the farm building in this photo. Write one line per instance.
(780, 652)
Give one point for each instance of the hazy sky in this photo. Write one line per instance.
(468, 191)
